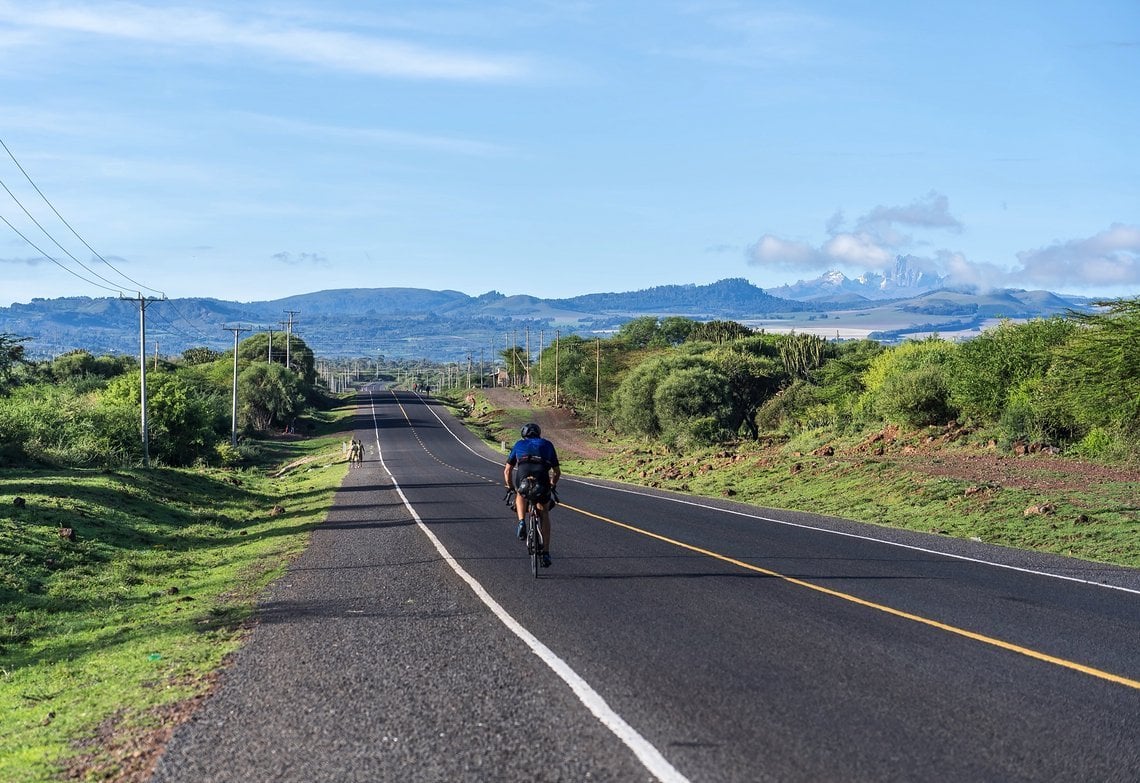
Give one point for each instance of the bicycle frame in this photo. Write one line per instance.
(534, 543)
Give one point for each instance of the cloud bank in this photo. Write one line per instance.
(1109, 259)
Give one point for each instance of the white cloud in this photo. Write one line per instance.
(873, 243)
(770, 250)
(1110, 258)
(266, 36)
(858, 250)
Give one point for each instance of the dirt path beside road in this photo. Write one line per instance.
(570, 437)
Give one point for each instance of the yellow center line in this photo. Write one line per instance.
(1116, 678)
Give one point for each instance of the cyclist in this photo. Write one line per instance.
(535, 456)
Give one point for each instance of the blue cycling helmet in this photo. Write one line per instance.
(531, 430)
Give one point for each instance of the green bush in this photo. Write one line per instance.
(988, 369)
(909, 384)
(693, 407)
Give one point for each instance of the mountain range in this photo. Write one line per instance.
(450, 325)
(906, 278)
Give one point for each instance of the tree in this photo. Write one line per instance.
(11, 355)
(750, 379)
(200, 355)
(987, 370)
(269, 394)
(692, 405)
(1096, 373)
(640, 332)
(255, 348)
(634, 407)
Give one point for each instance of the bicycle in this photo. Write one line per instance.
(535, 546)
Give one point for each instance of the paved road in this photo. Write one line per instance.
(671, 640)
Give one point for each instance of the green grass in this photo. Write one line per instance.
(138, 612)
(1099, 521)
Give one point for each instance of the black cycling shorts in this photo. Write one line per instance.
(541, 475)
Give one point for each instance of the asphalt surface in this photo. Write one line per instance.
(713, 642)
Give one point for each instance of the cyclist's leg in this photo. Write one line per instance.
(520, 510)
(544, 516)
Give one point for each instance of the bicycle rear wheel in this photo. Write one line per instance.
(536, 539)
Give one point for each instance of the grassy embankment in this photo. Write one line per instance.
(104, 637)
(918, 482)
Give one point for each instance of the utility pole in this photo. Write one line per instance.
(233, 428)
(270, 356)
(557, 334)
(143, 302)
(289, 335)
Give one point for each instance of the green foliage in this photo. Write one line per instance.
(802, 353)
(719, 331)
(786, 412)
(692, 406)
(11, 355)
(181, 419)
(649, 332)
(750, 378)
(583, 369)
(987, 370)
(1096, 373)
(81, 365)
(269, 396)
(635, 410)
(255, 348)
(640, 332)
(200, 355)
(52, 424)
(909, 384)
(675, 329)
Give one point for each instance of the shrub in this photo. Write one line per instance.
(909, 384)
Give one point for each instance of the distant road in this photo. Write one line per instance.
(673, 639)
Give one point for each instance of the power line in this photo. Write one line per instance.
(191, 324)
(62, 266)
(47, 234)
(64, 221)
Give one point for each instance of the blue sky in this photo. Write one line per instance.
(252, 150)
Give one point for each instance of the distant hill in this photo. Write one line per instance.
(450, 325)
(723, 299)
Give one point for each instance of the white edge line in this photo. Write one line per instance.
(872, 539)
(648, 755)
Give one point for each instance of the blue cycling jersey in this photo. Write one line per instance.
(534, 450)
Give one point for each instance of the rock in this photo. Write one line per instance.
(19, 502)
